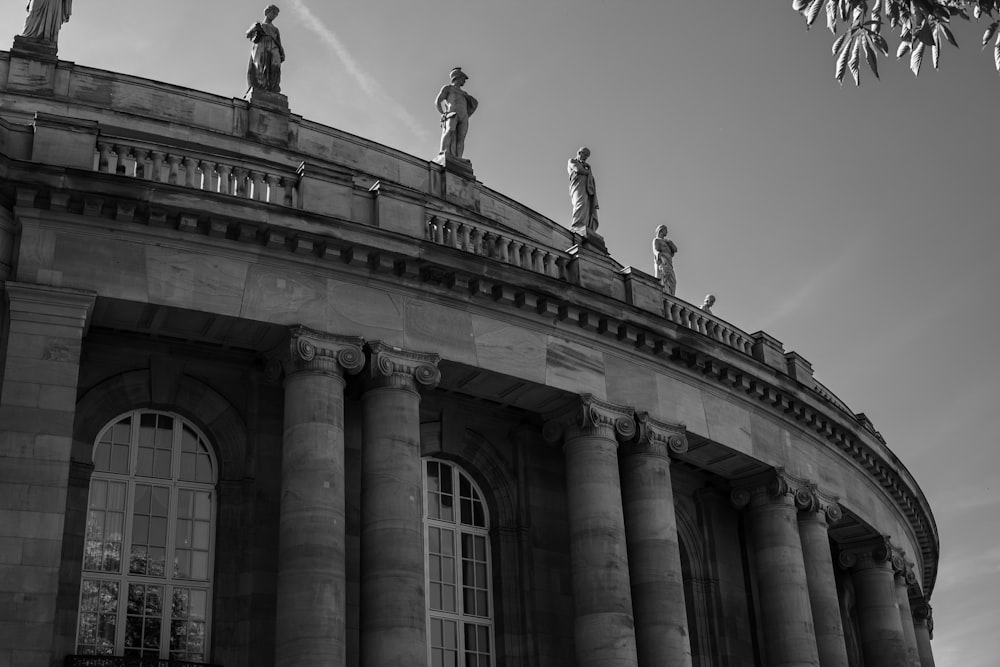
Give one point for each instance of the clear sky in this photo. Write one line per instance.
(857, 226)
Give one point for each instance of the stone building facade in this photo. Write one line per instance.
(274, 394)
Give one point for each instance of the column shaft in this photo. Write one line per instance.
(604, 626)
(654, 560)
(822, 583)
(922, 630)
(393, 606)
(785, 608)
(906, 619)
(311, 602)
(878, 614)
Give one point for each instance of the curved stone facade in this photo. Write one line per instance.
(663, 488)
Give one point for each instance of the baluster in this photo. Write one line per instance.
(141, 165)
(225, 179)
(438, 229)
(191, 172)
(241, 186)
(429, 228)
(104, 157)
(551, 267)
(451, 234)
(156, 173)
(463, 236)
(288, 184)
(174, 176)
(257, 179)
(515, 252)
(121, 153)
(503, 245)
(272, 188)
(474, 237)
(208, 177)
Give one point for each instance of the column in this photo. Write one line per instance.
(871, 568)
(654, 558)
(393, 611)
(602, 598)
(923, 627)
(904, 579)
(782, 586)
(816, 513)
(46, 326)
(311, 594)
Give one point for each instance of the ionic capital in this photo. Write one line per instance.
(390, 366)
(815, 504)
(774, 486)
(591, 417)
(656, 438)
(309, 351)
(870, 553)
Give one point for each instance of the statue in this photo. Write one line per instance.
(266, 54)
(45, 18)
(708, 303)
(455, 106)
(582, 193)
(663, 254)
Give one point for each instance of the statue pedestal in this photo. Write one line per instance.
(33, 65)
(592, 239)
(591, 267)
(456, 165)
(267, 119)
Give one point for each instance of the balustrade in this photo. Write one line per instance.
(696, 319)
(200, 172)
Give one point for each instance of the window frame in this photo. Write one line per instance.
(168, 582)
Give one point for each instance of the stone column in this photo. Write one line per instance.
(782, 586)
(871, 568)
(817, 512)
(46, 326)
(654, 558)
(311, 595)
(905, 578)
(393, 611)
(923, 627)
(602, 597)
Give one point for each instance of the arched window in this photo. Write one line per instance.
(147, 558)
(457, 546)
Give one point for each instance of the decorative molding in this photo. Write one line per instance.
(772, 486)
(656, 437)
(591, 417)
(390, 366)
(815, 503)
(872, 552)
(310, 351)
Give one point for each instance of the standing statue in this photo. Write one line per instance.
(266, 54)
(708, 303)
(45, 18)
(663, 254)
(582, 193)
(455, 106)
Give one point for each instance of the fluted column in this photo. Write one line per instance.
(311, 594)
(654, 558)
(871, 567)
(783, 590)
(602, 598)
(393, 612)
(923, 627)
(816, 513)
(905, 578)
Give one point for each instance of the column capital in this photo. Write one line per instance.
(870, 553)
(307, 350)
(591, 417)
(772, 486)
(655, 437)
(390, 366)
(922, 612)
(818, 505)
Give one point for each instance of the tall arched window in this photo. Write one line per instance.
(457, 546)
(147, 558)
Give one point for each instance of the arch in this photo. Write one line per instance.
(203, 406)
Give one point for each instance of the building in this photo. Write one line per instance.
(274, 394)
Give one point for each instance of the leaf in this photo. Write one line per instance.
(854, 61)
(936, 50)
(871, 58)
(902, 50)
(989, 33)
(977, 11)
(841, 67)
(881, 45)
(917, 58)
(831, 15)
(947, 35)
(996, 53)
(800, 5)
(839, 43)
(813, 11)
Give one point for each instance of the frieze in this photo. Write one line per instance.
(390, 366)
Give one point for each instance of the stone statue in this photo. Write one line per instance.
(708, 303)
(582, 193)
(45, 18)
(455, 106)
(266, 53)
(663, 254)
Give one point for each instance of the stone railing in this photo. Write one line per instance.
(696, 319)
(118, 661)
(195, 169)
(488, 242)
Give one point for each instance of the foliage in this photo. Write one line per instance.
(923, 25)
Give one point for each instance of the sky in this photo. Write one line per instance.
(858, 226)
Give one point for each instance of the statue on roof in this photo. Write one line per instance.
(45, 18)
(663, 254)
(582, 193)
(708, 303)
(266, 53)
(455, 106)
